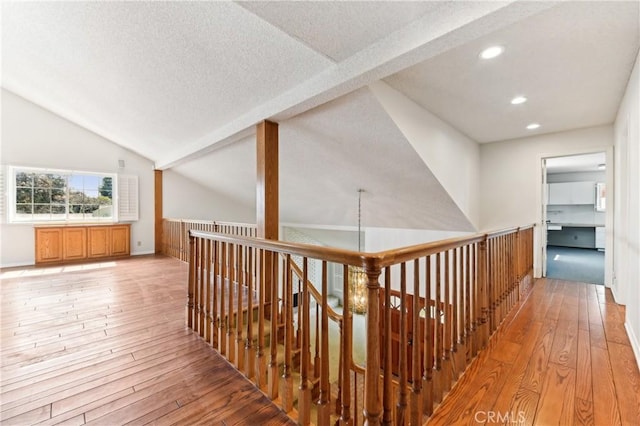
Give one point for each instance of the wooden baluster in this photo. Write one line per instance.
(495, 270)
(273, 376)
(506, 256)
(338, 408)
(518, 266)
(207, 305)
(304, 396)
(324, 400)
(458, 353)
(231, 290)
(508, 282)
(261, 365)
(316, 358)
(201, 280)
(427, 378)
(403, 354)
(447, 367)
(387, 389)
(416, 341)
(372, 403)
(474, 301)
(248, 346)
(287, 379)
(491, 282)
(223, 292)
(501, 260)
(298, 337)
(192, 284)
(437, 355)
(346, 353)
(215, 311)
(483, 294)
(466, 303)
(239, 310)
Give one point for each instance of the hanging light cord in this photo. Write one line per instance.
(360, 191)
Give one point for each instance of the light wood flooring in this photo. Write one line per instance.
(106, 344)
(561, 358)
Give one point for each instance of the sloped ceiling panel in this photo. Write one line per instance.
(353, 139)
(326, 155)
(149, 75)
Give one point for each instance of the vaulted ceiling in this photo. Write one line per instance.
(184, 83)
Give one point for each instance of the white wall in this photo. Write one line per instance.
(452, 157)
(35, 137)
(182, 198)
(626, 286)
(511, 178)
(381, 239)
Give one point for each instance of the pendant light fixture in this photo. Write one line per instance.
(357, 275)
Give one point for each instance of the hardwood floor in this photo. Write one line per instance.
(106, 343)
(562, 358)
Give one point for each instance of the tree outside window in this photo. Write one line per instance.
(42, 195)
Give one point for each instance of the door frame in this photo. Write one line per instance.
(540, 243)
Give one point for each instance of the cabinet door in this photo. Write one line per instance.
(583, 193)
(120, 240)
(75, 243)
(600, 237)
(98, 241)
(560, 193)
(48, 245)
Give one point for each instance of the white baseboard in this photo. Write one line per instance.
(635, 343)
(16, 265)
(141, 253)
(614, 292)
(31, 263)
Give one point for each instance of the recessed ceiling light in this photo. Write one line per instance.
(491, 52)
(533, 126)
(518, 100)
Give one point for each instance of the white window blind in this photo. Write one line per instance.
(128, 198)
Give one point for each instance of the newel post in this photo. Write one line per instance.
(372, 403)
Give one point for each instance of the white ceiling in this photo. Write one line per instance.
(184, 83)
(577, 163)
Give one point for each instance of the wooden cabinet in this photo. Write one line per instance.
(120, 240)
(59, 244)
(74, 246)
(49, 245)
(105, 241)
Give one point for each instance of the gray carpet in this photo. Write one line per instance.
(575, 264)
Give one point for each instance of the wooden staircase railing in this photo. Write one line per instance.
(430, 309)
(175, 233)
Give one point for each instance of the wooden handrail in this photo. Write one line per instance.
(439, 304)
(316, 294)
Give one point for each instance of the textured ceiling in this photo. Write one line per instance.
(572, 62)
(184, 83)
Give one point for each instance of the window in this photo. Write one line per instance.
(42, 195)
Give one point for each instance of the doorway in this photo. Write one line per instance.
(574, 217)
